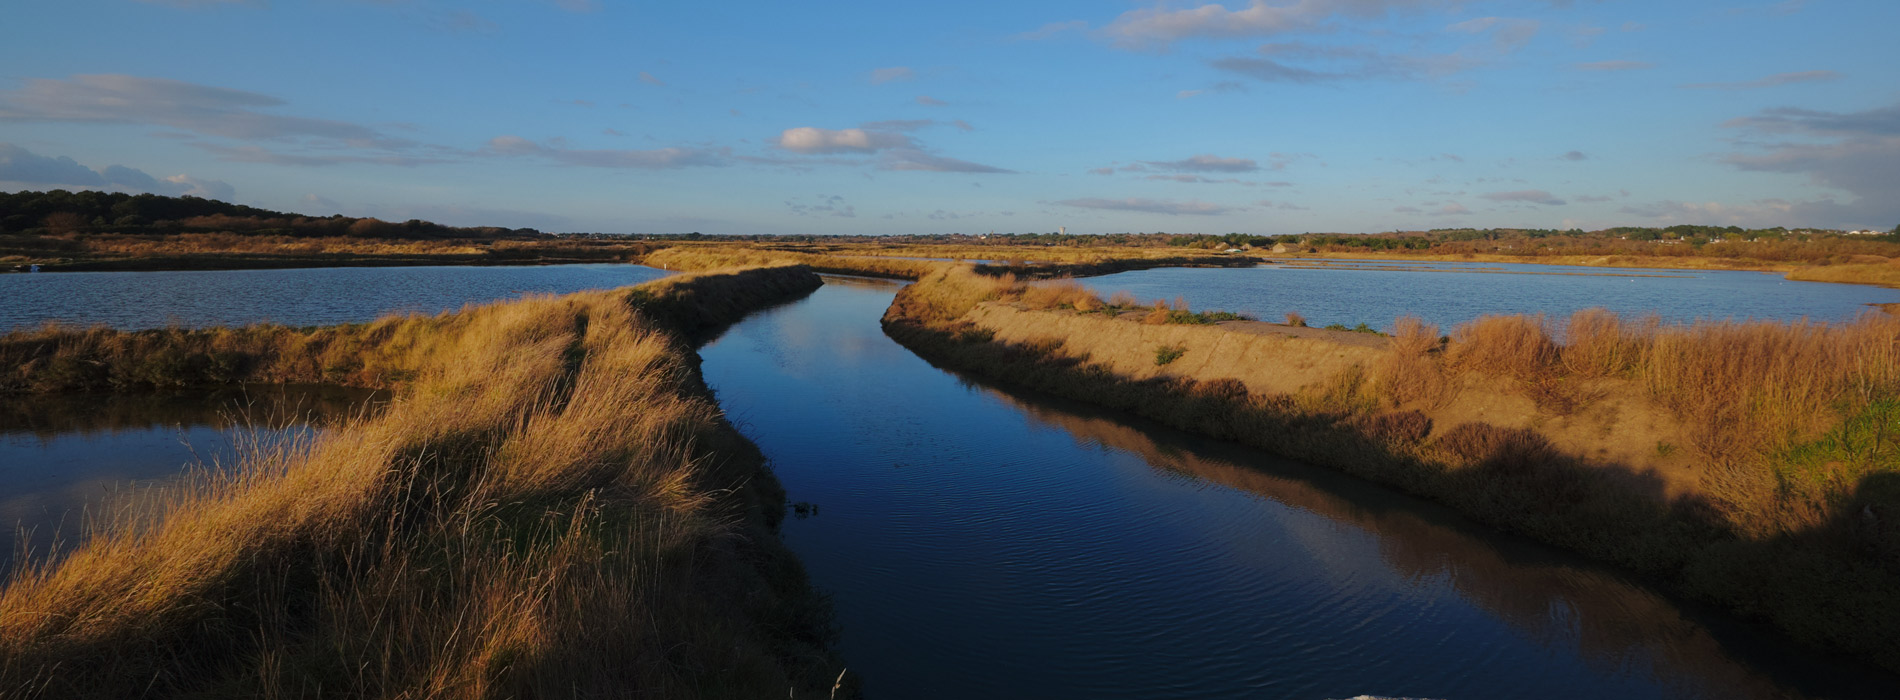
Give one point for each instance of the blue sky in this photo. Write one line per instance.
(1269, 117)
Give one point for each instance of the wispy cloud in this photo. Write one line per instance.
(1206, 163)
(202, 109)
(915, 159)
(826, 205)
(1508, 34)
(199, 4)
(929, 101)
(648, 78)
(892, 74)
(656, 159)
(1615, 66)
(1809, 76)
(1151, 206)
(1160, 26)
(1574, 156)
(1525, 196)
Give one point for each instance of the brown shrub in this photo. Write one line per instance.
(1293, 318)
(1122, 299)
(1401, 427)
(1512, 346)
(1056, 294)
(1489, 446)
(1412, 372)
(1597, 343)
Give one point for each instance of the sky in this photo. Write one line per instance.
(1264, 117)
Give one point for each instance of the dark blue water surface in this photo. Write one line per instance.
(983, 544)
(64, 459)
(1376, 293)
(296, 297)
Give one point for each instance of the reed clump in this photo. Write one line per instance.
(552, 505)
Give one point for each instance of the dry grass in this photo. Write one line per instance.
(694, 258)
(551, 507)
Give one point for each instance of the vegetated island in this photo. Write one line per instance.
(61, 231)
(551, 506)
(1755, 465)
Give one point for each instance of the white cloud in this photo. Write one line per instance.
(809, 139)
(1151, 206)
(648, 78)
(929, 101)
(892, 74)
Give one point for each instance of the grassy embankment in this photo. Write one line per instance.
(1756, 465)
(1847, 262)
(713, 257)
(553, 505)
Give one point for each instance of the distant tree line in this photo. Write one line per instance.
(60, 212)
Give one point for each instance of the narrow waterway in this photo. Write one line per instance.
(983, 543)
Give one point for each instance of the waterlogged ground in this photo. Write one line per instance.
(296, 297)
(1377, 292)
(64, 459)
(980, 543)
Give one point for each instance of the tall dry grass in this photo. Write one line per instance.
(699, 258)
(552, 506)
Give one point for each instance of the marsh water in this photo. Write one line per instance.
(1377, 292)
(64, 459)
(294, 297)
(979, 542)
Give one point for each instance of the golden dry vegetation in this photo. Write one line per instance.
(552, 506)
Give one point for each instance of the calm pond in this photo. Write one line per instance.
(63, 458)
(979, 543)
(294, 297)
(1377, 292)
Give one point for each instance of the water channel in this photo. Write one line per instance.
(294, 297)
(979, 542)
(1377, 292)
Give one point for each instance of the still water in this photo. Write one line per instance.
(294, 297)
(1375, 293)
(982, 543)
(63, 458)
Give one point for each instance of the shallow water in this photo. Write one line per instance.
(983, 543)
(296, 297)
(65, 458)
(1376, 293)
